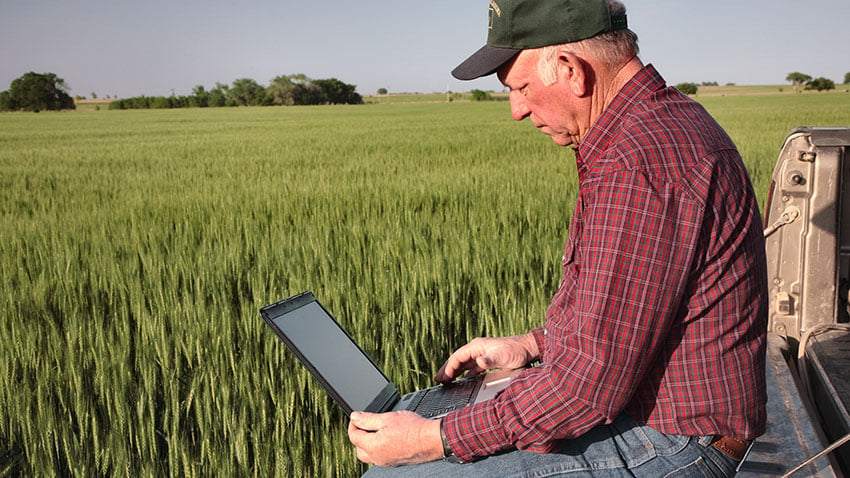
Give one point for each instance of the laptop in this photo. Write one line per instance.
(351, 378)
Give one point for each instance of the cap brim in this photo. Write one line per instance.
(484, 62)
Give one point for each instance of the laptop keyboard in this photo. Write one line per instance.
(436, 401)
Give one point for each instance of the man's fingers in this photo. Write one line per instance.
(449, 371)
(355, 434)
(484, 362)
(367, 421)
(359, 436)
(462, 360)
(363, 456)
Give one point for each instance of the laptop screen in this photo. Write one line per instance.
(330, 354)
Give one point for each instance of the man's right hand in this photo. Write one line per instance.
(486, 353)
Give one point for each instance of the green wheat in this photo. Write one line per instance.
(136, 248)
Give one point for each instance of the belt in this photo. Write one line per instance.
(734, 448)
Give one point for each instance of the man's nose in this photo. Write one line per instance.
(519, 107)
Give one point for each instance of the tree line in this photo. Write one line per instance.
(806, 81)
(46, 91)
(284, 90)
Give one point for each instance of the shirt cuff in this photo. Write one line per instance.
(475, 432)
(539, 334)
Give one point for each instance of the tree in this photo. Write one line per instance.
(245, 92)
(36, 92)
(820, 84)
(847, 78)
(200, 97)
(6, 103)
(336, 92)
(159, 102)
(296, 89)
(218, 95)
(688, 88)
(383, 91)
(480, 95)
(797, 79)
(281, 90)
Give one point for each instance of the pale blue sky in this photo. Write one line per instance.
(128, 48)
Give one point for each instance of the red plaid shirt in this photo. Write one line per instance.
(662, 311)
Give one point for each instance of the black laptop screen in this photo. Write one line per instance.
(332, 354)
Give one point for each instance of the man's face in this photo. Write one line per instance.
(552, 109)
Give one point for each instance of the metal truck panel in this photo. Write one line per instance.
(807, 239)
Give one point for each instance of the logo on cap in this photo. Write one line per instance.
(494, 8)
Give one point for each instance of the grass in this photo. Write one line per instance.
(758, 125)
(137, 246)
(738, 90)
(704, 91)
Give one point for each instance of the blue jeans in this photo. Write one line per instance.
(622, 448)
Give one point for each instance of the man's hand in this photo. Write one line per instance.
(395, 438)
(485, 353)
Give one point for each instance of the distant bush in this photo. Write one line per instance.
(820, 84)
(151, 102)
(479, 95)
(688, 88)
(159, 102)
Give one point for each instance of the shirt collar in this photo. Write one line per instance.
(644, 83)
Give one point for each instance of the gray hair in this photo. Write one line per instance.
(612, 49)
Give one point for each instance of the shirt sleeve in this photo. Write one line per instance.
(622, 286)
(539, 335)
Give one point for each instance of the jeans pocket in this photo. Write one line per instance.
(639, 443)
(666, 444)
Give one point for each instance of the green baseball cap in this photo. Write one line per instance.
(517, 25)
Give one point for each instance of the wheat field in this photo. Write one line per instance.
(136, 248)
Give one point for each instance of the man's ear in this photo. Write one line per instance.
(574, 72)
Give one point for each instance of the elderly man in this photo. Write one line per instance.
(652, 354)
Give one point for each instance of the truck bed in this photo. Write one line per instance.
(792, 435)
(807, 241)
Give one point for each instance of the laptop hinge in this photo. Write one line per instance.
(385, 400)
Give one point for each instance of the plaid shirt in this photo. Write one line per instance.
(662, 310)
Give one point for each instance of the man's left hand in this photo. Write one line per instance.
(395, 438)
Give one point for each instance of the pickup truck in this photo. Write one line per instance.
(807, 240)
